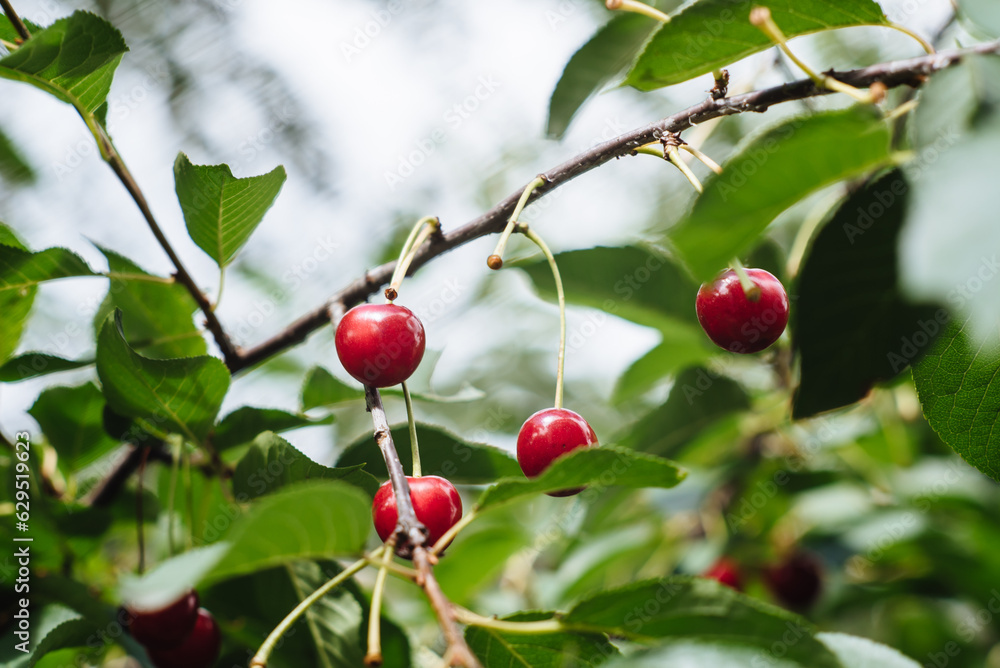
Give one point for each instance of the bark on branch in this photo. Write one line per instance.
(913, 72)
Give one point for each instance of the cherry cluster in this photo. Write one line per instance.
(796, 581)
(180, 635)
(381, 345)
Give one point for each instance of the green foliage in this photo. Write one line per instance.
(34, 364)
(710, 34)
(73, 421)
(245, 423)
(273, 463)
(178, 394)
(983, 13)
(222, 211)
(960, 397)
(74, 59)
(770, 173)
(608, 53)
(539, 650)
(851, 316)
(597, 467)
(21, 269)
(55, 628)
(441, 453)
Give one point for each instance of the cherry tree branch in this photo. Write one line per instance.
(913, 72)
(15, 20)
(411, 537)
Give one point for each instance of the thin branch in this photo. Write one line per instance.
(102, 494)
(410, 532)
(458, 652)
(913, 72)
(114, 159)
(15, 20)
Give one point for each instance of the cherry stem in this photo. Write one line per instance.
(927, 46)
(424, 228)
(450, 534)
(222, 284)
(189, 489)
(495, 261)
(541, 626)
(674, 157)
(561, 296)
(374, 655)
(705, 160)
(410, 532)
(172, 496)
(412, 422)
(638, 8)
(750, 289)
(263, 654)
(761, 18)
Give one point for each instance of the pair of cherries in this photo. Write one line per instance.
(180, 635)
(381, 345)
(796, 581)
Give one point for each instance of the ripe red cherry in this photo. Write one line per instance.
(549, 434)
(796, 582)
(734, 321)
(726, 571)
(380, 344)
(199, 649)
(435, 501)
(165, 627)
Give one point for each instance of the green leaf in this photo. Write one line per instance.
(335, 622)
(635, 283)
(772, 172)
(441, 453)
(14, 304)
(698, 399)
(850, 316)
(158, 312)
(321, 388)
(478, 555)
(9, 33)
(72, 419)
(182, 395)
(682, 346)
(702, 609)
(960, 395)
(702, 654)
(272, 463)
(21, 269)
(245, 423)
(34, 364)
(538, 650)
(309, 520)
(984, 13)
(710, 34)
(608, 53)
(13, 165)
(863, 653)
(222, 211)
(952, 174)
(74, 59)
(597, 468)
(54, 628)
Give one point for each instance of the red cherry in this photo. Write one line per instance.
(435, 501)
(380, 344)
(165, 627)
(796, 582)
(726, 571)
(200, 648)
(737, 323)
(546, 436)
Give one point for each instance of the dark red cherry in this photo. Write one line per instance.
(165, 627)
(199, 649)
(549, 434)
(739, 323)
(435, 501)
(796, 582)
(726, 571)
(380, 344)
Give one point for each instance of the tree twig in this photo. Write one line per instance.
(911, 72)
(410, 532)
(458, 651)
(15, 20)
